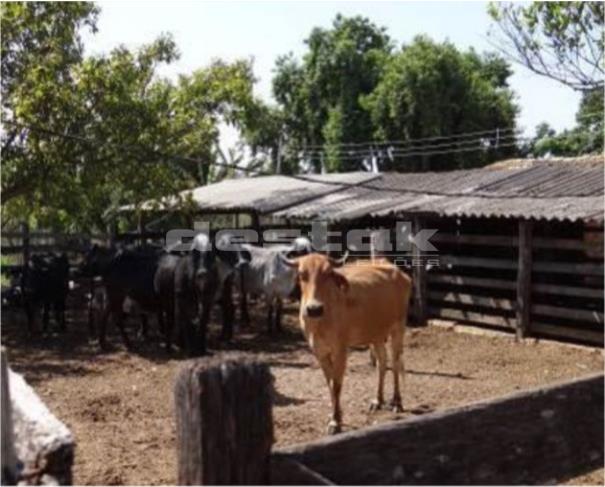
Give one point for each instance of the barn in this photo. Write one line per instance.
(519, 244)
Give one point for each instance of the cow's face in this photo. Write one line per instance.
(319, 284)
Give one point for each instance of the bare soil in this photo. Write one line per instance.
(119, 404)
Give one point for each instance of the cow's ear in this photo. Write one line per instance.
(341, 281)
(288, 262)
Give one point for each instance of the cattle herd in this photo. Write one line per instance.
(341, 304)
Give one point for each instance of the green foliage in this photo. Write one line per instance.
(430, 89)
(321, 95)
(585, 138)
(123, 122)
(561, 40)
(351, 87)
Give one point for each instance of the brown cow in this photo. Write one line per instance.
(364, 303)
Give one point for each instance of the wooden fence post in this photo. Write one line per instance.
(524, 278)
(419, 279)
(224, 421)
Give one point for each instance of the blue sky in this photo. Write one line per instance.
(263, 30)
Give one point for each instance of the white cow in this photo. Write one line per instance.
(268, 276)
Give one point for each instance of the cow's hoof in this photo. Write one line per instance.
(396, 406)
(376, 405)
(334, 428)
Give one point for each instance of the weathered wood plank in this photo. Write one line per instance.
(592, 269)
(510, 241)
(472, 281)
(571, 313)
(471, 299)
(486, 263)
(472, 316)
(590, 336)
(539, 436)
(524, 270)
(223, 421)
(581, 292)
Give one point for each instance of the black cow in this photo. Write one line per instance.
(45, 283)
(201, 277)
(126, 273)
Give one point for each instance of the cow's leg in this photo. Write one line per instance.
(119, 317)
(379, 352)
(270, 308)
(91, 309)
(398, 366)
(143, 332)
(227, 310)
(60, 315)
(30, 312)
(243, 304)
(278, 310)
(333, 367)
(161, 323)
(183, 315)
(103, 324)
(45, 316)
(206, 308)
(339, 363)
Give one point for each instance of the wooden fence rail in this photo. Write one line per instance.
(224, 433)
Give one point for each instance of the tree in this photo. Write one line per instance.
(40, 44)
(585, 138)
(433, 90)
(320, 96)
(86, 135)
(561, 40)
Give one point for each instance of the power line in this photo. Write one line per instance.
(156, 152)
(413, 141)
(430, 153)
(373, 151)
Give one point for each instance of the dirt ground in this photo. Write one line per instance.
(119, 404)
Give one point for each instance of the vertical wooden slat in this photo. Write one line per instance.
(224, 422)
(419, 280)
(524, 278)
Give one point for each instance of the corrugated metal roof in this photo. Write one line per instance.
(540, 192)
(264, 194)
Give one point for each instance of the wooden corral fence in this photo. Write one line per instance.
(21, 244)
(537, 278)
(225, 432)
(533, 278)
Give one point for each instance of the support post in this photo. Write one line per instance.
(224, 421)
(419, 279)
(524, 278)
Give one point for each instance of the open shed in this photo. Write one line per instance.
(519, 249)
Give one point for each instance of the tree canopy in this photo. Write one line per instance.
(432, 89)
(352, 86)
(84, 135)
(585, 138)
